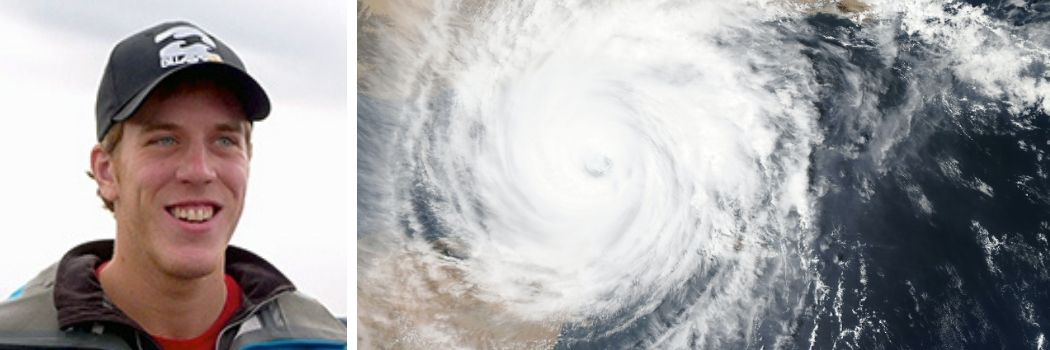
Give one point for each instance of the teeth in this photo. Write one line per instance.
(196, 214)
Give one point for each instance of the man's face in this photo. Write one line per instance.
(180, 175)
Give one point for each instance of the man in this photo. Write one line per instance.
(174, 119)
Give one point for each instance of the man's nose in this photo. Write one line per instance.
(197, 165)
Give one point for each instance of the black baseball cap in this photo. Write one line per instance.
(143, 61)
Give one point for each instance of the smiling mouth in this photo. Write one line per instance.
(196, 213)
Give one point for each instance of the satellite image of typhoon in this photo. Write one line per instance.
(589, 174)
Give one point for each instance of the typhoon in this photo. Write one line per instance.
(702, 174)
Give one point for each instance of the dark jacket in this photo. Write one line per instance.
(65, 307)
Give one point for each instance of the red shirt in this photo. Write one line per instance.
(206, 340)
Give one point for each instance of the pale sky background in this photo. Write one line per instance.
(53, 54)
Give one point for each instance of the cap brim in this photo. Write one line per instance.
(253, 98)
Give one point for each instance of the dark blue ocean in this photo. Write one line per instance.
(965, 264)
(809, 178)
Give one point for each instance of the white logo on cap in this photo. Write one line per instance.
(177, 52)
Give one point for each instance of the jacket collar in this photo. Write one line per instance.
(79, 298)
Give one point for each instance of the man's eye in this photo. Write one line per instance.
(164, 141)
(226, 141)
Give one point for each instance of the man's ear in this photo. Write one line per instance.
(104, 174)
